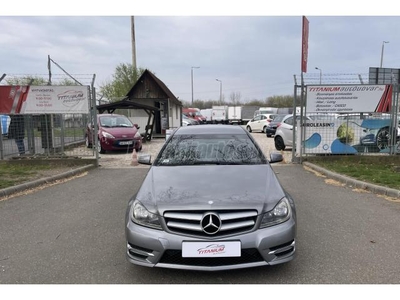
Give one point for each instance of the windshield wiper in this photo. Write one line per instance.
(217, 163)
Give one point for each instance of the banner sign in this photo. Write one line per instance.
(304, 45)
(349, 98)
(346, 136)
(44, 99)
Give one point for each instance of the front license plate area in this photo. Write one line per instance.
(126, 143)
(211, 249)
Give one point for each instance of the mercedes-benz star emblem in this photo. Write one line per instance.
(211, 223)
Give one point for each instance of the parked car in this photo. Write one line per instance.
(377, 133)
(271, 126)
(194, 113)
(216, 222)
(115, 132)
(284, 132)
(259, 123)
(186, 121)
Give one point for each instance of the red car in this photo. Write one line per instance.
(116, 132)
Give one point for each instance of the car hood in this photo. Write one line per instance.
(121, 132)
(210, 187)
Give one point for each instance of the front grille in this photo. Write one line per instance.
(175, 257)
(189, 222)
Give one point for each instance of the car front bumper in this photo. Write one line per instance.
(157, 248)
(270, 131)
(113, 144)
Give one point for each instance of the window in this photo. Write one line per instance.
(215, 149)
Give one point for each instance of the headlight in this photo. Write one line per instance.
(279, 214)
(107, 135)
(140, 215)
(137, 135)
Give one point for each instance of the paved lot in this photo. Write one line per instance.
(123, 160)
(74, 233)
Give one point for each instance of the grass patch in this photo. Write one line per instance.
(372, 171)
(13, 174)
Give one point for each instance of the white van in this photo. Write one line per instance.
(266, 111)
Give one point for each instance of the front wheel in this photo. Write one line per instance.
(383, 138)
(279, 143)
(248, 128)
(100, 148)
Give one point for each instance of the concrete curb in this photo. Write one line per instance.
(355, 183)
(30, 185)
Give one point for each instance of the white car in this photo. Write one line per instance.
(284, 132)
(259, 123)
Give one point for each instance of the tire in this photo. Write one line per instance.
(264, 130)
(100, 148)
(248, 128)
(268, 135)
(279, 143)
(383, 138)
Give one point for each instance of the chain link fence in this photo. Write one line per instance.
(356, 133)
(46, 135)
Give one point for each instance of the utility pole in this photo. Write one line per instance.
(192, 80)
(220, 90)
(133, 42)
(134, 68)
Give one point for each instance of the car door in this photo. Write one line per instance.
(255, 124)
(262, 123)
(287, 131)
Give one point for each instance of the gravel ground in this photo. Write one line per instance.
(124, 160)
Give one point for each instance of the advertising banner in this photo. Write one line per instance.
(44, 99)
(349, 98)
(346, 136)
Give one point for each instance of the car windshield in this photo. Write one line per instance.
(115, 121)
(221, 149)
(278, 118)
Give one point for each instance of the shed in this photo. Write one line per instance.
(151, 104)
(150, 90)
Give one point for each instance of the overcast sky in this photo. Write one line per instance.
(256, 55)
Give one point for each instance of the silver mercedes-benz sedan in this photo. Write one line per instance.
(210, 201)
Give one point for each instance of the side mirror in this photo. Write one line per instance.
(144, 159)
(275, 157)
(137, 126)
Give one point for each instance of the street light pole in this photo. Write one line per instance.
(192, 81)
(320, 75)
(383, 46)
(220, 90)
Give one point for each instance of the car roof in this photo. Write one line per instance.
(110, 115)
(210, 129)
(297, 116)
